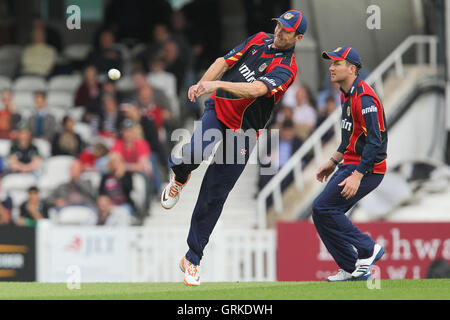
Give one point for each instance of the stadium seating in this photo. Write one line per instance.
(55, 171)
(30, 83)
(76, 215)
(5, 83)
(65, 82)
(23, 100)
(62, 99)
(5, 146)
(77, 52)
(139, 188)
(9, 60)
(44, 147)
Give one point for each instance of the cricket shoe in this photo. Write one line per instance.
(363, 266)
(171, 193)
(342, 275)
(191, 273)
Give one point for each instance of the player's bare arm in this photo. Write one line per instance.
(214, 72)
(239, 89)
(328, 167)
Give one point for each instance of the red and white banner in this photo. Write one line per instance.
(410, 249)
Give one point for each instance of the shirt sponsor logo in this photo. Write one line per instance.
(346, 125)
(247, 73)
(367, 110)
(271, 81)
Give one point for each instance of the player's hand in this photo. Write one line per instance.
(205, 87)
(325, 171)
(351, 185)
(192, 92)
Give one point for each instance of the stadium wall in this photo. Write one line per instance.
(410, 249)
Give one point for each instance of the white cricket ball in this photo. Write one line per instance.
(114, 74)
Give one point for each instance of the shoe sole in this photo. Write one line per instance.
(190, 285)
(351, 279)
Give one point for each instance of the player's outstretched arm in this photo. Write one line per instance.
(239, 89)
(214, 72)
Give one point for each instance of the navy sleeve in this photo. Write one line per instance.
(277, 80)
(373, 138)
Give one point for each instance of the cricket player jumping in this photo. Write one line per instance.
(363, 151)
(254, 76)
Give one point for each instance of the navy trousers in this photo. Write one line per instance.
(228, 163)
(335, 229)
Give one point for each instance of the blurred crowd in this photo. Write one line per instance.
(71, 137)
(102, 146)
(296, 117)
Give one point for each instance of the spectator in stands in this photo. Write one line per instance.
(33, 209)
(107, 123)
(88, 94)
(110, 215)
(323, 96)
(38, 58)
(147, 130)
(9, 119)
(330, 107)
(160, 78)
(24, 156)
(52, 36)
(305, 115)
(280, 153)
(140, 80)
(106, 57)
(154, 111)
(75, 192)
(134, 150)
(67, 142)
(174, 61)
(6, 206)
(94, 158)
(109, 87)
(42, 124)
(117, 184)
(283, 114)
(136, 153)
(183, 30)
(289, 99)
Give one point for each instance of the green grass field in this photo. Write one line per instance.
(436, 289)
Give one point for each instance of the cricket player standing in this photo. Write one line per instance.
(253, 77)
(363, 152)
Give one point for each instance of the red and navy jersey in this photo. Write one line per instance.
(363, 127)
(255, 60)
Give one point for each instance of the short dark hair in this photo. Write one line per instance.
(33, 189)
(40, 93)
(358, 67)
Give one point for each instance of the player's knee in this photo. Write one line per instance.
(317, 207)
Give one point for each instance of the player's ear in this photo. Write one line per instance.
(298, 37)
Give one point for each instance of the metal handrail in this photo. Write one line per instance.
(314, 141)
